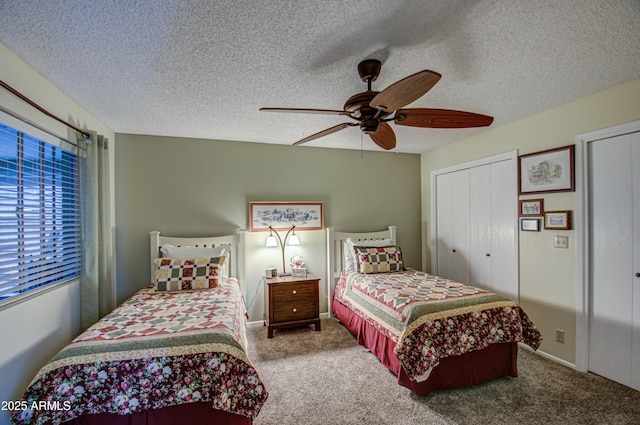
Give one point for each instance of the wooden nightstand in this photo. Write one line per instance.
(290, 302)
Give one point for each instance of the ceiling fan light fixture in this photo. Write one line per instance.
(369, 126)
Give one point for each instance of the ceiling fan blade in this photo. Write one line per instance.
(384, 137)
(307, 111)
(405, 91)
(325, 132)
(440, 118)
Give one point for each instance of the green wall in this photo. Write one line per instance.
(197, 187)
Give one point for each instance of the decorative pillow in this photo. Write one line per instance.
(379, 259)
(179, 274)
(350, 259)
(172, 251)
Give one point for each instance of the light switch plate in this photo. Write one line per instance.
(561, 241)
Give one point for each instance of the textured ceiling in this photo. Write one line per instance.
(203, 68)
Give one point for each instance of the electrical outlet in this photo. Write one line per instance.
(561, 241)
(560, 336)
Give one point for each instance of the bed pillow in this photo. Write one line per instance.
(179, 274)
(350, 259)
(223, 250)
(173, 251)
(379, 259)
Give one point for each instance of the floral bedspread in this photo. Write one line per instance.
(430, 317)
(157, 349)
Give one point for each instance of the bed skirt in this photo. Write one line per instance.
(495, 361)
(200, 413)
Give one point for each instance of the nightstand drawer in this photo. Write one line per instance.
(293, 291)
(289, 311)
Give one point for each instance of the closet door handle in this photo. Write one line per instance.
(487, 254)
(453, 250)
(637, 274)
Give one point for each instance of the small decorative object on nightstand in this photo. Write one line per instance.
(290, 302)
(298, 268)
(298, 272)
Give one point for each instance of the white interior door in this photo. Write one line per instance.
(452, 208)
(475, 223)
(614, 245)
(635, 348)
(480, 226)
(492, 242)
(504, 219)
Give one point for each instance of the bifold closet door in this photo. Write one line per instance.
(614, 228)
(452, 210)
(493, 217)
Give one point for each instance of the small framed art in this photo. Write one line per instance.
(530, 224)
(531, 207)
(547, 171)
(559, 220)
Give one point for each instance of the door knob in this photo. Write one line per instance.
(294, 292)
(637, 274)
(454, 250)
(487, 254)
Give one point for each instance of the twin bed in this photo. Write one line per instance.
(431, 332)
(175, 352)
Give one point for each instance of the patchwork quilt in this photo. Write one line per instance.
(158, 349)
(430, 317)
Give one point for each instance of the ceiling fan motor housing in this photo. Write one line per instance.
(369, 117)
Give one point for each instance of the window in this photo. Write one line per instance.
(39, 210)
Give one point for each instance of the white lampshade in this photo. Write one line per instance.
(294, 240)
(271, 241)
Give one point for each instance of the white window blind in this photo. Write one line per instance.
(39, 211)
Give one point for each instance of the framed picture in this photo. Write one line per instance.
(283, 215)
(547, 171)
(530, 224)
(531, 207)
(557, 220)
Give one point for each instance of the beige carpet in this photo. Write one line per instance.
(326, 378)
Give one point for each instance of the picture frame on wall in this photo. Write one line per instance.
(530, 224)
(547, 171)
(531, 207)
(283, 215)
(559, 220)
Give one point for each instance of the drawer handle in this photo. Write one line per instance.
(294, 292)
(295, 310)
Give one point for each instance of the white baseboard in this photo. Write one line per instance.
(548, 356)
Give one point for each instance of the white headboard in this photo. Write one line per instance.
(335, 252)
(236, 242)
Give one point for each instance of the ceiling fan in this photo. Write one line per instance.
(373, 110)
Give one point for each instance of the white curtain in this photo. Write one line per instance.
(96, 287)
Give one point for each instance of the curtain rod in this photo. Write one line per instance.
(41, 109)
